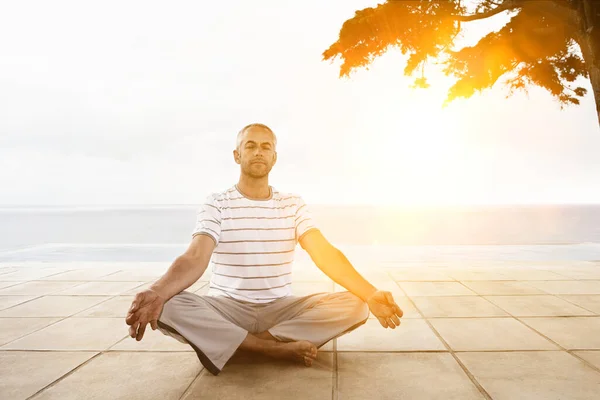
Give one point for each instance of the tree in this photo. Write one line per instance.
(547, 43)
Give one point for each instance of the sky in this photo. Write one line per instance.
(139, 103)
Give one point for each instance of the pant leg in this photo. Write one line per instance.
(317, 318)
(214, 326)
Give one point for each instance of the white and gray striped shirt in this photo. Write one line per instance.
(255, 242)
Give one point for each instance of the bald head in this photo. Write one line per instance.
(253, 127)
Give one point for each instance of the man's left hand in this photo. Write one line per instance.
(383, 306)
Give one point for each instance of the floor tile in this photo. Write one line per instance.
(411, 335)
(5, 284)
(501, 287)
(532, 275)
(37, 288)
(548, 375)
(589, 302)
(474, 334)
(100, 288)
(588, 273)
(53, 306)
(30, 274)
(132, 376)
(10, 301)
(425, 275)
(14, 328)
(134, 275)
(90, 334)
(152, 341)
(571, 333)
(456, 306)
(403, 376)
(568, 287)
(25, 373)
(116, 307)
(591, 356)
(536, 306)
(435, 289)
(250, 377)
(472, 275)
(87, 274)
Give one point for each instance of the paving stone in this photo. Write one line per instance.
(411, 335)
(14, 328)
(9, 283)
(25, 373)
(571, 333)
(501, 288)
(425, 275)
(435, 289)
(37, 288)
(53, 306)
(30, 274)
(536, 306)
(475, 334)
(589, 302)
(548, 375)
(532, 275)
(252, 377)
(116, 307)
(152, 341)
(89, 334)
(478, 275)
(135, 275)
(591, 356)
(87, 274)
(100, 288)
(10, 301)
(456, 306)
(132, 376)
(403, 376)
(568, 287)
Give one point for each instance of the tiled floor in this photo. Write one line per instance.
(520, 331)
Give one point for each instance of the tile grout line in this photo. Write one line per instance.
(471, 377)
(199, 376)
(72, 371)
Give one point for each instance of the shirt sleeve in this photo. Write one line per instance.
(304, 220)
(208, 220)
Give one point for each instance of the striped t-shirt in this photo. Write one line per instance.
(255, 242)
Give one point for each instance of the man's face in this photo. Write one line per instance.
(256, 154)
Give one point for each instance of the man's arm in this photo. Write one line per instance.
(335, 264)
(187, 268)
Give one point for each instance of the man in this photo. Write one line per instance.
(251, 231)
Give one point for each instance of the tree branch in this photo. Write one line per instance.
(509, 5)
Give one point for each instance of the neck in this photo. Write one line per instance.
(255, 188)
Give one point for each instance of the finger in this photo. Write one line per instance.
(133, 329)
(383, 322)
(390, 323)
(141, 331)
(398, 311)
(131, 318)
(154, 324)
(396, 320)
(134, 306)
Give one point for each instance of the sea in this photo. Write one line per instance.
(382, 234)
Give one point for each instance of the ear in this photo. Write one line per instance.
(236, 156)
(274, 157)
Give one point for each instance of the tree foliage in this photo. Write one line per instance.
(537, 46)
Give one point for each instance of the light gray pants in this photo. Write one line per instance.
(215, 326)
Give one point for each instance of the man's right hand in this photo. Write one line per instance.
(145, 308)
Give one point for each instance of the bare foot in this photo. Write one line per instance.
(302, 351)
